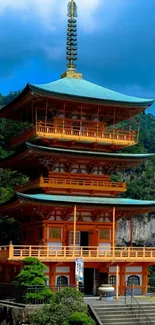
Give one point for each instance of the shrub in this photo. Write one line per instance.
(63, 304)
(68, 295)
(79, 319)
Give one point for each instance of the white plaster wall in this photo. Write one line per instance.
(62, 269)
(105, 246)
(55, 245)
(112, 269)
(133, 269)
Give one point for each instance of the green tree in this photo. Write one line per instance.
(32, 275)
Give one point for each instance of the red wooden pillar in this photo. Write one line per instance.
(144, 278)
(122, 279)
(52, 274)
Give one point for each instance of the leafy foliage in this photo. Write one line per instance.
(63, 304)
(152, 278)
(10, 128)
(79, 319)
(4, 100)
(9, 229)
(32, 276)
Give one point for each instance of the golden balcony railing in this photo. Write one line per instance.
(84, 183)
(81, 182)
(89, 254)
(66, 131)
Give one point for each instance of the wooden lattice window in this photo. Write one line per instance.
(62, 281)
(71, 238)
(134, 279)
(105, 234)
(55, 233)
(112, 280)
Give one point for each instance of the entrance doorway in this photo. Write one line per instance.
(103, 278)
(88, 281)
(84, 238)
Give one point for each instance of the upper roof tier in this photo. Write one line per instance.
(81, 88)
(74, 89)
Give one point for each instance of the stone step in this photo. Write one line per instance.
(116, 314)
(121, 317)
(125, 314)
(125, 322)
(112, 310)
(145, 308)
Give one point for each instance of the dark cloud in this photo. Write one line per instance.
(119, 54)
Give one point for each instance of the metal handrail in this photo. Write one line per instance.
(141, 312)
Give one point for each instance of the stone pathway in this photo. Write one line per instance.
(121, 301)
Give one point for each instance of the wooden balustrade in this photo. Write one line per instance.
(63, 130)
(82, 182)
(77, 131)
(90, 254)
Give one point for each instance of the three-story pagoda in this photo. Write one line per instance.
(70, 207)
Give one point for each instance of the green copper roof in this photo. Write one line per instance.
(90, 153)
(86, 200)
(85, 89)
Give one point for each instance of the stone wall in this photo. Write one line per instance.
(143, 230)
(14, 315)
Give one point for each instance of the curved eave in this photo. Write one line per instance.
(72, 152)
(30, 88)
(84, 200)
(146, 103)
(89, 153)
(16, 100)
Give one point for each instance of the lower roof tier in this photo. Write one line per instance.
(34, 158)
(117, 202)
(25, 206)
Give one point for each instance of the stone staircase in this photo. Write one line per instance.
(108, 314)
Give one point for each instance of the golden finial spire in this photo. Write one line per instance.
(71, 47)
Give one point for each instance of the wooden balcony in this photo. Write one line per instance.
(89, 254)
(73, 182)
(82, 182)
(79, 132)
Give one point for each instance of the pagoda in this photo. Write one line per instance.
(70, 207)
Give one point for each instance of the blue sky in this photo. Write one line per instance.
(116, 43)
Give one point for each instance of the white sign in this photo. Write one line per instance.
(79, 269)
